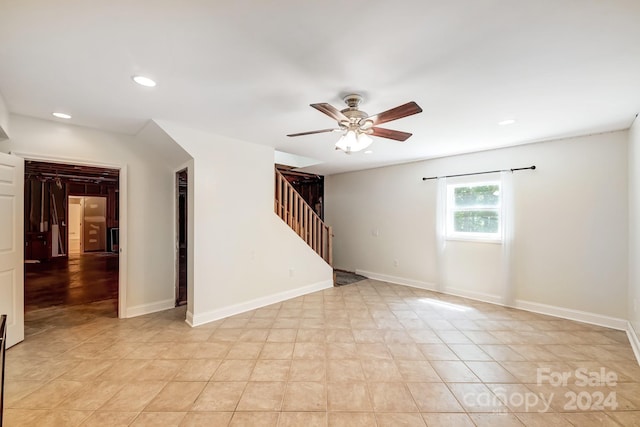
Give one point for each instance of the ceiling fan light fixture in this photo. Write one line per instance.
(346, 141)
(351, 142)
(364, 141)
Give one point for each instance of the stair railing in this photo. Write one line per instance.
(293, 210)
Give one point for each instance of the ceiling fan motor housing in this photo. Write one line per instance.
(352, 113)
(352, 100)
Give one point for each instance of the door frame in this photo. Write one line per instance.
(122, 215)
(189, 166)
(177, 233)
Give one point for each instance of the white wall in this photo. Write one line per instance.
(634, 228)
(146, 225)
(244, 255)
(4, 119)
(570, 249)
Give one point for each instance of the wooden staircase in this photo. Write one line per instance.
(293, 210)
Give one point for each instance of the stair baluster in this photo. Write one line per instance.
(296, 213)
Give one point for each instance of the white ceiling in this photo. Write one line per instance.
(250, 68)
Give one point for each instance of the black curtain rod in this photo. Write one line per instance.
(480, 173)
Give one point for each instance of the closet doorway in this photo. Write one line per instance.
(182, 182)
(71, 237)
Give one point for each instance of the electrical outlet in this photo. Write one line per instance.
(375, 232)
(291, 272)
(396, 263)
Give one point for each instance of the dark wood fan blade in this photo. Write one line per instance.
(330, 111)
(408, 109)
(312, 132)
(391, 134)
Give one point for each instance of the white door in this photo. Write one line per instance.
(12, 245)
(75, 224)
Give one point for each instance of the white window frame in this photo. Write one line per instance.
(451, 234)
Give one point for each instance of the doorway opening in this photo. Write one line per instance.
(71, 224)
(182, 182)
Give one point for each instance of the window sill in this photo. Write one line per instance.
(474, 240)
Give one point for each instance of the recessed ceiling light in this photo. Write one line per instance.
(506, 122)
(61, 115)
(144, 81)
(368, 152)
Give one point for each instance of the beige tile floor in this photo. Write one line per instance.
(367, 354)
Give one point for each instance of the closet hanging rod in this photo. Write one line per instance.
(73, 177)
(480, 173)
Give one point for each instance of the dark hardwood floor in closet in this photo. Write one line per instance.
(79, 279)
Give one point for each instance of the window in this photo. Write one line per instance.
(473, 211)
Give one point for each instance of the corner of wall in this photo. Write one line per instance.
(142, 309)
(633, 308)
(4, 119)
(634, 340)
(162, 144)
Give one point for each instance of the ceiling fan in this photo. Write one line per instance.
(357, 127)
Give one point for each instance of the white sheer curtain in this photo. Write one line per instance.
(507, 223)
(441, 233)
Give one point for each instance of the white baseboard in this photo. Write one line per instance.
(477, 296)
(634, 340)
(189, 318)
(398, 280)
(153, 307)
(550, 310)
(428, 286)
(220, 313)
(570, 314)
